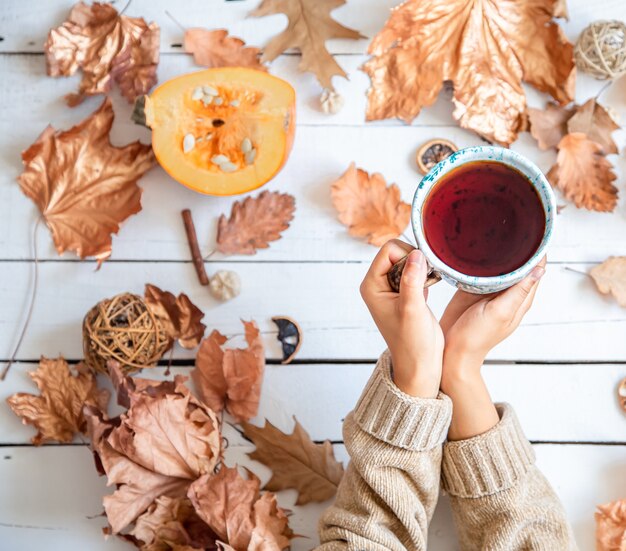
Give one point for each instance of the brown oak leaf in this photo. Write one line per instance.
(57, 413)
(485, 48)
(255, 222)
(84, 186)
(611, 526)
(610, 277)
(369, 207)
(219, 49)
(243, 519)
(181, 318)
(310, 26)
(583, 173)
(296, 462)
(165, 441)
(108, 47)
(231, 378)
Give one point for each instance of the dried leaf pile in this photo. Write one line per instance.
(582, 136)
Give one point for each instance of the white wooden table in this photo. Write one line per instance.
(560, 369)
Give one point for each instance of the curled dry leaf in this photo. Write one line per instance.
(369, 207)
(57, 413)
(231, 378)
(611, 526)
(219, 49)
(485, 48)
(610, 277)
(583, 174)
(108, 47)
(242, 518)
(181, 318)
(84, 186)
(296, 462)
(165, 441)
(310, 26)
(255, 222)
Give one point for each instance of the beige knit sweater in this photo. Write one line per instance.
(399, 458)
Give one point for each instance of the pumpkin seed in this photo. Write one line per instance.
(228, 167)
(219, 159)
(246, 145)
(218, 101)
(250, 156)
(235, 103)
(197, 94)
(207, 100)
(210, 91)
(208, 136)
(189, 143)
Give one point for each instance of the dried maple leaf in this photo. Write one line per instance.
(180, 317)
(485, 48)
(610, 277)
(57, 413)
(231, 378)
(107, 47)
(611, 526)
(165, 441)
(255, 222)
(243, 519)
(296, 462)
(219, 49)
(84, 186)
(549, 126)
(583, 174)
(310, 26)
(369, 207)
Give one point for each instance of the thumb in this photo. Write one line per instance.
(413, 279)
(510, 301)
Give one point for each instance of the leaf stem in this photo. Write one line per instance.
(33, 294)
(175, 21)
(126, 7)
(603, 89)
(576, 271)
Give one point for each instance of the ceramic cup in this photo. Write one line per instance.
(438, 269)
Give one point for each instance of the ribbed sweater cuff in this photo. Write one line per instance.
(390, 415)
(488, 463)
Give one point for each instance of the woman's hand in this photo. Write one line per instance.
(409, 328)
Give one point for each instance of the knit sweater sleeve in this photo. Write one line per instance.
(499, 499)
(387, 496)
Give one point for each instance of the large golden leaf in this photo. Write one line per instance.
(310, 26)
(84, 186)
(485, 47)
(296, 462)
(107, 47)
(57, 413)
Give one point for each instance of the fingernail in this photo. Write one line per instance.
(537, 273)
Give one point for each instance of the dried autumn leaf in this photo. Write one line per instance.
(107, 47)
(179, 316)
(610, 277)
(611, 526)
(583, 174)
(594, 120)
(219, 49)
(621, 394)
(310, 26)
(165, 441)
(549, 126)
(57, 413)
(243, 519)
(485, 48)
(84, 186)
(369, 207)
(255, 222)
(231, 378)
(296, 462)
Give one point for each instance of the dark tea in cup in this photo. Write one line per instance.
(484, 218)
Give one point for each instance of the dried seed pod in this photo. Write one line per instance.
(331, 102)
(432, 152)
(225, 285)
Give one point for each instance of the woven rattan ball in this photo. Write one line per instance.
(123, 328)
(601, 50)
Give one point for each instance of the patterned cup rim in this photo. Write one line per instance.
(484, 153)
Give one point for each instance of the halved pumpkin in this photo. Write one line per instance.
(221, 131)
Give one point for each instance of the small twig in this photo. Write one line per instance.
(210, 254)
(196, 256)
(603, 89)
(169, 362)
(576, 271)
(175, 20)
(126, 6)
(30, 306)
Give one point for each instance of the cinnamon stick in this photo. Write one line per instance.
(192, 239)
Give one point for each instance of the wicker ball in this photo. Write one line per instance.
(601, 50)
(123, 328)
